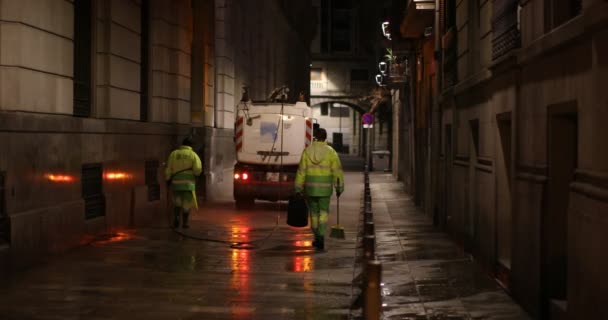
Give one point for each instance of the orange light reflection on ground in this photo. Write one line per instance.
(114, 237)
(59, 178)
(302, 264)
(240, 233)
(239, 281)
(240, 260)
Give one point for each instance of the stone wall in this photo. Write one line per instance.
(42, 141)
(561, 77)
(498, 177)
(36, 56)
(253, 51)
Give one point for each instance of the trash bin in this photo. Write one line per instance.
(380, 160)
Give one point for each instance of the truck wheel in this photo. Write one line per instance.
(244, 202)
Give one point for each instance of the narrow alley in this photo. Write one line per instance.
(155, 273)
(159, 159)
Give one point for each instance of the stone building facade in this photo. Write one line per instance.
(517, 168)
(256, 52)
(342, 69)
(95, 94)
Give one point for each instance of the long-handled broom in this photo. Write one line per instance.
(337, 231)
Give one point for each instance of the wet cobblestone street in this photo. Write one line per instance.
(154, 273)
(425, 275)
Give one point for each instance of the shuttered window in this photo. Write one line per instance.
(82, 58)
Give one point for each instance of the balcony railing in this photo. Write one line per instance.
(317, 85)
(505, 26)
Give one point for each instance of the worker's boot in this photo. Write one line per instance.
(185, 217)
(176, 217)
(321, 243)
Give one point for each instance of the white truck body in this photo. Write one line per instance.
(269, 141)
(262, 137)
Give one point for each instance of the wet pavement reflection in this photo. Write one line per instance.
(248, 264)
(232, 264)
(425, 275)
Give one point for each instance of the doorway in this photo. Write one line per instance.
(562, 162)
(447, 179)
(5, 235)
(471, 218)
(503, 199)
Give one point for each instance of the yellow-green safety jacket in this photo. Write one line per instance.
(183, 158)
(320, 171)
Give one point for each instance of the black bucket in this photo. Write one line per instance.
(297, 212)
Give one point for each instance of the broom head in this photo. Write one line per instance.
(337, 232)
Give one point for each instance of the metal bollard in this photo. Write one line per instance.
(368, 215)
(372, 303)
(369, 247)
(368, 228)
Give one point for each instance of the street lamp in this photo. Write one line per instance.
(382, 66)
(385, 30)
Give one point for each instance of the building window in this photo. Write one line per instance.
(324, 109)
(359, 75)
(152, 180)
(82, 58)
(145, 58)
(316, 74)
(474, 126)
(325, 26)
(92, 191)
(339, 112)
(557, 12)
(341, 25)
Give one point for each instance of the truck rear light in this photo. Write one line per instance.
(245, 176)
(237, 176)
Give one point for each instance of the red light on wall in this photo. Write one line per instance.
(59, 178)
(116, 176)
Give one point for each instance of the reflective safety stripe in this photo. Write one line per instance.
(319, 166)
(318, 184)
(183, 182)
(318, 178)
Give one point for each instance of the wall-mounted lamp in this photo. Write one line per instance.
(428, 31)
(385, 30)
(383, 67)
(380, 80)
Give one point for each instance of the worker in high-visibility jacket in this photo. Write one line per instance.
(182, 168)
(320, 171)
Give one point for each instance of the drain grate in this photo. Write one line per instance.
(152, 180)
(92, 190)
(5, 234)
